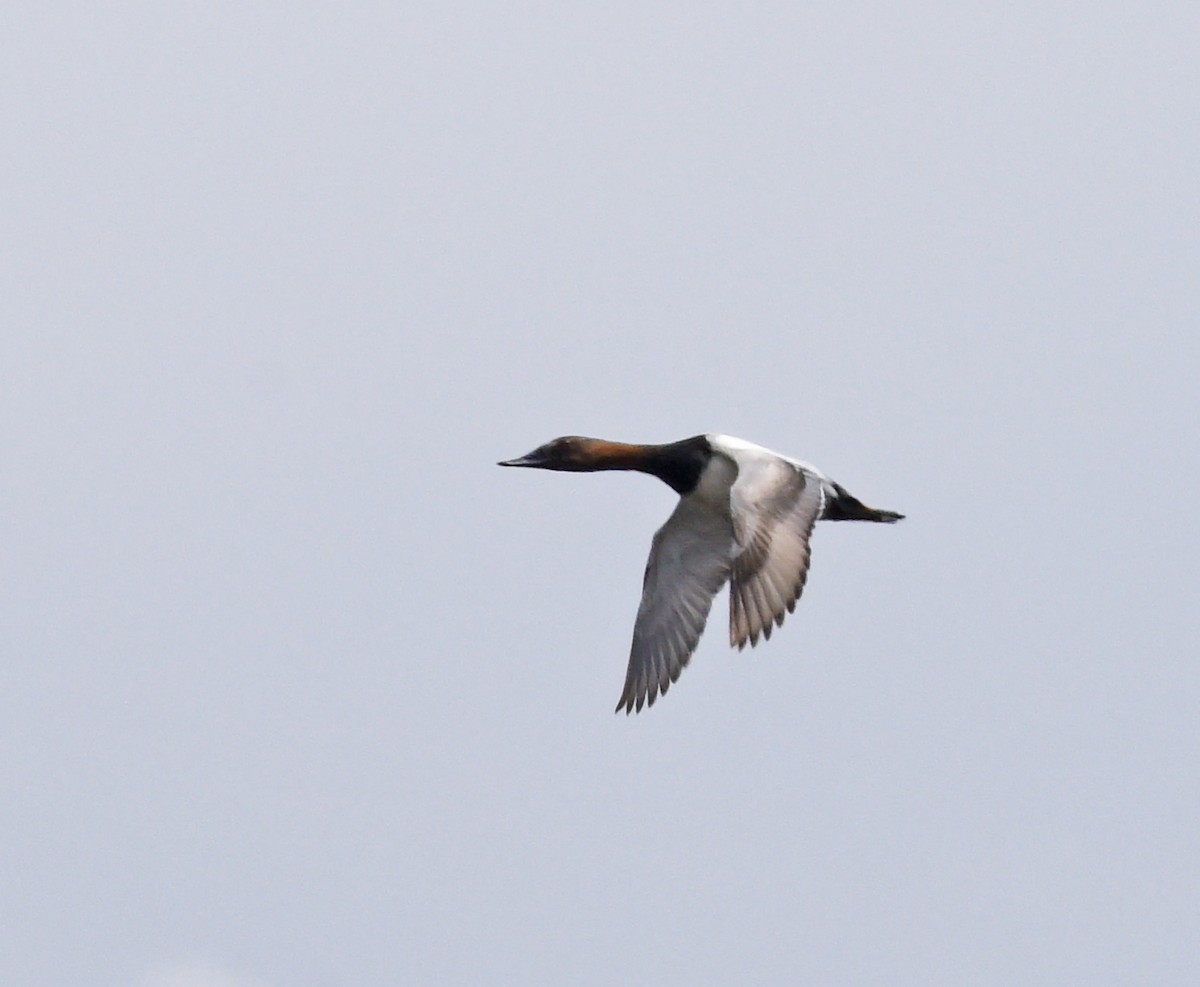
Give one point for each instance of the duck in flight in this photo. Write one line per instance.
(745, 515)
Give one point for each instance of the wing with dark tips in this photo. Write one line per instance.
(777, 504)
(689, 562)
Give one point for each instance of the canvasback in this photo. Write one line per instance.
(744, 515)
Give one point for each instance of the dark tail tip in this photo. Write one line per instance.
(847, 507)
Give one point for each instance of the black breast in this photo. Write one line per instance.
(679, 464)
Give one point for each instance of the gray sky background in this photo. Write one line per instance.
(300, 689)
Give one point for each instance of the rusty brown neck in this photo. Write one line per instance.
(677, 464)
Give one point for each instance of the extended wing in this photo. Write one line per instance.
(689, 562)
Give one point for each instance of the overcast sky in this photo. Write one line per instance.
(301, 690)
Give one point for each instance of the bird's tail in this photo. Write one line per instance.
(843, 506)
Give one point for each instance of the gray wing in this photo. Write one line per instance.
(689, 562)
(782, 503)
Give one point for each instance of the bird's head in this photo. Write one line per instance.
(571, 453)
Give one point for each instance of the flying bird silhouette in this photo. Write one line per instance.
(745, 515)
